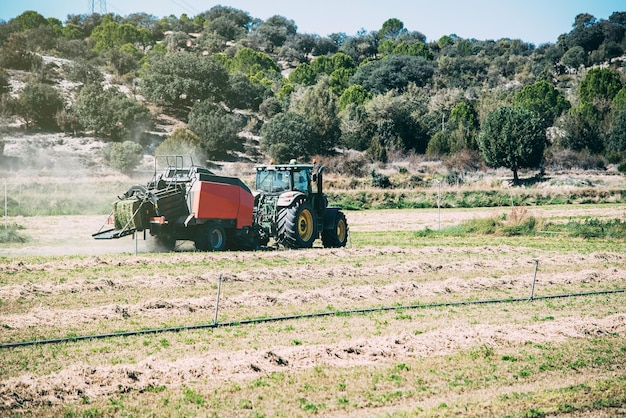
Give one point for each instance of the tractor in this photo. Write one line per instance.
(290, 206)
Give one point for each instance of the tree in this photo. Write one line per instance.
(542, 98)
(392, 29)
(289, 135)
(30, 20)
(319, 105)
(395, 72)
(512, 137)
(599, 84)
(574, 57)
(582, 129)
(16, 54)
(181, 79)
(354, 94)
(110, 113)
(617, 135)
(38, 105)
(276, 30)
(217, 129)
(244, 94)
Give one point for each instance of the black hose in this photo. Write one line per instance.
(301, 316)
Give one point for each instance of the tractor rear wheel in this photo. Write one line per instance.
(211, 237)
(296, 226)
(338, 236)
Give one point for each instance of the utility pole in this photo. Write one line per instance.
(97, 6)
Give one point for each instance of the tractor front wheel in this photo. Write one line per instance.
(211, 237)
(296, 226)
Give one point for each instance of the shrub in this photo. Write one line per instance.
(124, 156)
(380, 180)
(622, 168)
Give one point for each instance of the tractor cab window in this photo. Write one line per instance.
(301, 181)
(272, 181)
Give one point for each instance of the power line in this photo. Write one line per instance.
(97, 6)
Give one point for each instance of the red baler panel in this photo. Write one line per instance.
(222, 201)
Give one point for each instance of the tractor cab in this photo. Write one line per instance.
(277, 179)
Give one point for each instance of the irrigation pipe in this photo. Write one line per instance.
(301, 316)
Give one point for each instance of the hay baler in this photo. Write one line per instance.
(187, 203)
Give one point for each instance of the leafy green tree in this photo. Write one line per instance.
(182, 142)
(395, 72)
(599, 84)
(619, 101)
(125, 156)
(30, 20)
(303, 74)
(38, 105)
(230, 23)
(319, 105)
(244, 94)
(110, 34)
(217, 129)
(356, 130)
(582, 126)
(512, 137)
(110, 113)
(182, 79)
(543, 98)
(396, 119)
(463, 126)
(276, 30)
(16, 54)
(391, 29)
(289, 135)
(617, 135)
(355, 94)
(250, 62)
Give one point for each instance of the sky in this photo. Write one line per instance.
(534, 21)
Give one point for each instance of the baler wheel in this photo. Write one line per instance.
(211, 237)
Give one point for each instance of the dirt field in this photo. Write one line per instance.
(562, 356)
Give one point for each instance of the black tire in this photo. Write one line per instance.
(296, 226)
(211, 237)
(338, 236)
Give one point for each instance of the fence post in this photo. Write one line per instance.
(217, 301)
(532, 290)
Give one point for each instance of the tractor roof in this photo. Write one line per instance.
(283, 167)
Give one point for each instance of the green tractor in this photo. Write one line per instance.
(290, 207)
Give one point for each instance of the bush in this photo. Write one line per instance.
(124, 156)
(182, 142)
(380, 180)
(622, 168)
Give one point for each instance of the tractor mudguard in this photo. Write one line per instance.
(286, 199)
